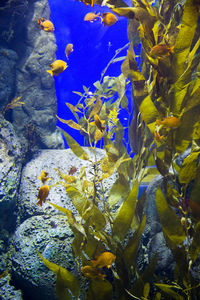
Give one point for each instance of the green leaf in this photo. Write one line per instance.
(75, 147)
(126, 212)
(171, 224)
(131, 249)
(96, 217)
(61, 290)
(100, 289)
(64, 277)
(71, 219)
(168, 289)
(195, 246)
(72, 124)
(148, 112)
(188, 170)
(185, 37)
(119, 190)
(96, 108)
(79, 201)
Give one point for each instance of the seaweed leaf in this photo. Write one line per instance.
(75, 147)
(125, 215)
(195, 246)
(119, 190)
(171, 224)
(130, 252)
(65, 279)
(168, 289)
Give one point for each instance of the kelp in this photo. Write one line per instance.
(165, 87)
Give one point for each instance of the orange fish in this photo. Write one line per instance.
(92, 272)
(42, 194)
(157, 136)
(170, 122)
(72, 170)
(57, 67)
(98, 123)
(69, 49)
(45, 24)
(161, 50)
(108, 19)
(91, 17)
(88, 2)
(105, 259)
(44, 176)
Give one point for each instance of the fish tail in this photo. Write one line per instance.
(38, 21)
(50, 72)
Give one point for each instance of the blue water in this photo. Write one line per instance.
(94, 46)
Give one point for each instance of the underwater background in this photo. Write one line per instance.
(100, 149)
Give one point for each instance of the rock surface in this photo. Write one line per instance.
(7, 291)
(52, 237)
(35, 121)
(10, 172)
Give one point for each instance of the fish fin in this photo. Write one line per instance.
(171, 49)
(46, 29)
(158, 122)
(39, 202)
(94, 263)
(50, 72)
(38, 20)
(92, 123)
(43, 19)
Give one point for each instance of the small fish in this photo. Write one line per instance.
(98, 123)
(161, 50)
(45, 24)
(88, 2)
(170, 122)
(92, 272)
(44, 176)
(42, 194)
(91, 17)
(157, 136)
(105, 259)
(72, 170)
(69, 49)
(57, 67)
(108, 19)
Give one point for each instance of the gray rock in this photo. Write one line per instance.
(48, 160)
(10, 172)
(52, 237)
(36, 86)
(8, 60)
(7, 291)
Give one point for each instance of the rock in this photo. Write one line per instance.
(8, 60)
(10, 173)
(52, 237)
(8, 291)
(35, 121)
(48, 160)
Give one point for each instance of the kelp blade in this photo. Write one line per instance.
(68, 280)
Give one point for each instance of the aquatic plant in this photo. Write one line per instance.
(165, 123)
(15, 102)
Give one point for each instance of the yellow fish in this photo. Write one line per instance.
(92, 272)
(98, 123)
(105, 259)
(161, 50)
(44, 176)
(91, 17)
(42, 194)
(57, 67)
(45, 24)
(109, 19)
(170, 122)
(88, 2)
(69, 49)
